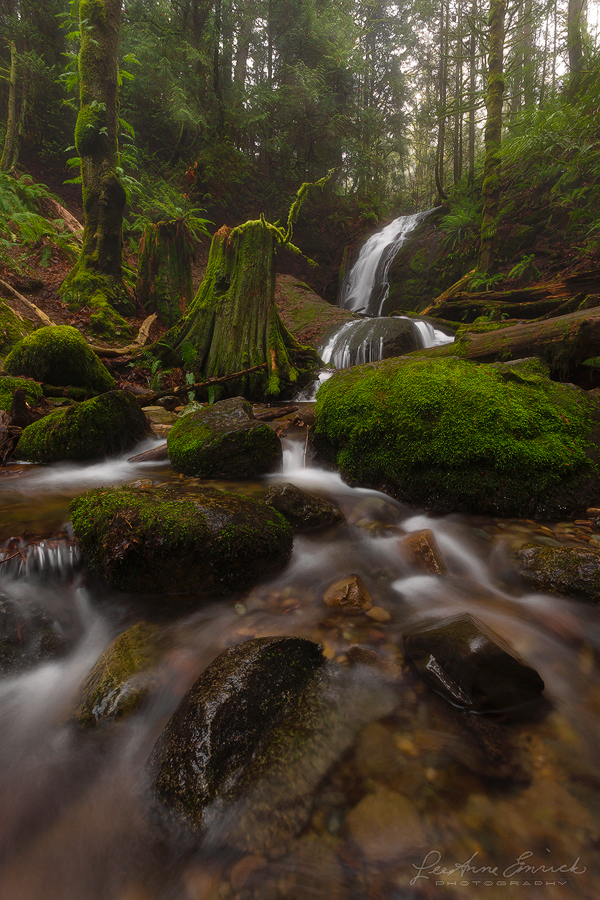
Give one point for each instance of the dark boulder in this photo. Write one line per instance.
(31, 633)
(183, 539)
(574, 571)
(471, 667)
(223, 441)
(304, 511)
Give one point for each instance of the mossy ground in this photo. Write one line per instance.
(87, 288)
(59, 355)
(452, 434)
(8, 385)
(103, 426)
(201, 541)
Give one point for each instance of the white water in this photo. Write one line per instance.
(373, 264)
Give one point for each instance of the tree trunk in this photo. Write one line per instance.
(97, 279)
(472, 91)
(442, 80)
(493, 137)
(11, 142)
(576, 22)
(234, 324)
(164, 284)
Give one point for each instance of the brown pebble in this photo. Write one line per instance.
(592, 512)
(421, 551)
(379, 614)
(350, 594)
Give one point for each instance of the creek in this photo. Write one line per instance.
(424, 803)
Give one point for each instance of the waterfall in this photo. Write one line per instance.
(366, 285)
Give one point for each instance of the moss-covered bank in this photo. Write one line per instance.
(498, 439)
(103, 426)
(59, 355)
(179, 540)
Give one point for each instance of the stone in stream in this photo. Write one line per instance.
(574, 571)
(223, 441)
(459, 436)
(123, 677)
(180, 539)
(349, 594)
(385, 826)
(104, 426)
(59, 355)
(253, 738)
(471, 667)
(421, 551)
(31, 633)
(304, 511)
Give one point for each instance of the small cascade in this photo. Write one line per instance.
(57, 559)
(366, 286)
(367, 340)
(430, 336)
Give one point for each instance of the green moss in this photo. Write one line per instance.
(59, 355)
(12, 328)
(87, 129)
(457, 435)
(33, 391)
(103, 296)
(211, 540)
(105, 425)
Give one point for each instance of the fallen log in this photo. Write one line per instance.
(15, 295)
(138, 343)
(212, 382)
(156, 454)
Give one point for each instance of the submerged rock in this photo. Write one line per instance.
(561, 570)
(349, 594)
(30, 633)
(224, 440)
(471, 667)
(122, 678)
(59, 355)
(453, 435)
(304, 511)
(181, 539)
(104, 426)
(385, 826)
(421, 551)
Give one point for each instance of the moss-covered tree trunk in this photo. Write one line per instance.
(493, 138)
(97, 279)
(164, 284)
(11, 140)
(234, 324)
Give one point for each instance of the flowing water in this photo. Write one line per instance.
(74, 820)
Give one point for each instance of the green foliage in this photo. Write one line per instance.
(462, 222)
(482, 281)
(525, 271)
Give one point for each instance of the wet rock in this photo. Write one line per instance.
(574, 571)
(29, 634)
(59, 355)
(122, 678)
(471, 667)
(179, 539)
(385, 826)
(106, 425)
(304, 511)
(158, 415)
(223, 441)
(349, 594)
(421, 551)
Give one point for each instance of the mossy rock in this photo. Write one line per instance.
(223, 441)
(304, 511)
(8, 385)
(104, 426)
(500, 439)
(185, 539)
(571, 571)
(59, 355)
(122, 679)
(12, 328)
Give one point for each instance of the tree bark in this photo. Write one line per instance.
(493, 138)
(576, 20)
(97, 278)
(234, 325)
(164, 284)
(10, 153)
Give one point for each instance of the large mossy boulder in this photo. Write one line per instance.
(59, 355)
(122, 679)
(469, 665)
(571, 571)
(452, 435)
(183, 539)
(223, 441)
(8, 386)
(106, 425)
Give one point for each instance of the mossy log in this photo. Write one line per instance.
(233, 324)
(164, 283)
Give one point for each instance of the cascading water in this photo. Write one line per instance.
(366, 285)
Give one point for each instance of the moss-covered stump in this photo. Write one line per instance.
(12, 328)
(8, 386)
(59, 355)
(104, 426)
(471, 666)
(224, 440)
(164, 282)
(179, 540)
(453, 435)
(122, 679)
(304, 511)
(571, 571)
